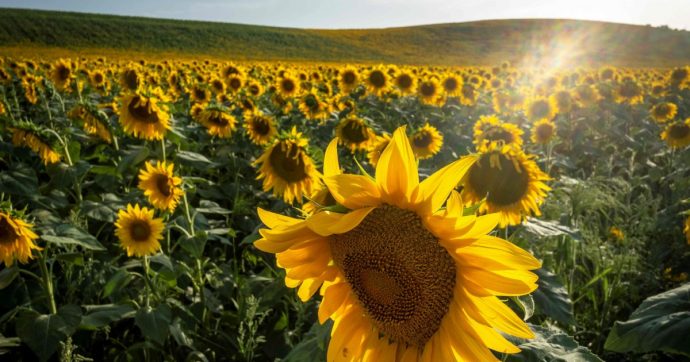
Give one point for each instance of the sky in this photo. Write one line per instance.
(339, 14)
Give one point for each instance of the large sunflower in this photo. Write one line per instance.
(353, 133)
(287, 86)
(160, 185)
(452, 85)
(489, 129)
(509, 182)
(260, 128)
(138, 231)
(144, 117)
(287, 169)
(426, 142)
(16, 239)
(403, 278)
(677, 134)
(663, 112)
(218, 122)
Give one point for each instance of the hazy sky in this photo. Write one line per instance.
(378, 13)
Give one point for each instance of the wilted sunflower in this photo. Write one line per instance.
(429, 92)
(403, 278)
(489, 129)
(287, 169)
(561, 101)
(426, 142)
(354, 134)
(510, 182)
(663, 112)
(29, 85)
(405, 82)
(21, 137)
(538, 108)
(677, 134)
(377, 148)
(160, 185)
(348, 79)
(218, 122)
(16, 239)
(377, 81)
(143, 117)
(62, 74)
(543, 131)
(260, 128)
(92, 123)
(138, 231)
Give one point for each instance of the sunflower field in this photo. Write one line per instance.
(200, 210)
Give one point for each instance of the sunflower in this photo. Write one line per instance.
(138, 231)
(16, 239)
(468, 94)
(405, 82)
(160, 185)
(429, 92)
(561, 101)
(353, 133)
(218, 122)
(62, 74)
(313, 107)
(348, 79)
(377, 148)
(254, 88)
(235, 82)
(27, 138)
(586, 95)
(288, 86)
(98, 80)
(377, 81)
(510, 182)
(452, 85)
(538, 108)
(92, 123)
(29, 84)
(543, 131)
(489, 129)
(217, 85)
(3, 110)
(200, 94)
(426, 142)
(260, 128)
(287, 169)
(677, 134)
(628, 92)
(130, 78)
(144, 117)
(403, 278)
(663, 112)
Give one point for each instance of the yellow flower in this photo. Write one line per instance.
(628, 92)
(677, 134)
(348, 79)
(452, 85)
(586, 95)
(377, 148)
(468, 94)
(62, 74)
(403, 278)
(160, 185)
(405, 82)
(378, 82)
(322, 198)
(510, 183)
(561, 101)
(130, 78)
(616, 233)
(353, 133)
(429, 92)
(16, 240)
(663, 112)
(143, 117)
(287, 169)
(27, 138)
(489, 129)
(543, 131)
(313, 107)
(287, 86)
(218, 122)
(260, 128)
(426, 142)
(200, 94)
(538, 108)
(138, 231)
(686, 229)
(92, 124)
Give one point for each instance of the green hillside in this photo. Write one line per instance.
(565, 42)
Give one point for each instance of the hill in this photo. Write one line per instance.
(531, 42)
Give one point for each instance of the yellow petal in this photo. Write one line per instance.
(328, 223)
(353, 191)
(333, 298)
(496, 313)
(308, 288)
(480, 331)
(499, 282)
(434, 190)
(396, 171)
(273, 220)
(490, 252)
(454, 204)
(331, 166)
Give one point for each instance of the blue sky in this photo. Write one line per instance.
(378, 13)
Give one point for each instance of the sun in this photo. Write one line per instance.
(403, 277)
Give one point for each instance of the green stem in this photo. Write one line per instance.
(163, 148)
(47, 280)
(189, 217)
(147, 296)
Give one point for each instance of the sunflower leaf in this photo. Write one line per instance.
(551, 298)
(550, 344)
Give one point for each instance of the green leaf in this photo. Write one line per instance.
(552, 299)
(154, 323)
(210, 207)
(8, 275)
(43, 332)
(118, 281)
(177, 331)
(72, 258)
(70, 234)
(526, 303)
(660, 323)
(543, 228)
(313, 345)
(194, 160)
(21, 180)
(99, 316)
(98, 211)
(74, 149)
(550, 344)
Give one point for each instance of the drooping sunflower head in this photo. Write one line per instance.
(16, 239)
(218, 122)
(405, 82)
(538, 108)
(663, 112)
(510, 183)
(36, 142)
(677, 134)
(426, 142)
(679, 76)
(139, 231)
(348, 79)
(489, 130)
(354, 133)
(160, 185)
(260, 128)
(686, 229)
(62, 74)
(561, 101)
(287, 169)
(377, 81)
(377, 147)
(401, 276)
(543, 131)
(143, 116)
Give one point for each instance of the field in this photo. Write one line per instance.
(338, 208)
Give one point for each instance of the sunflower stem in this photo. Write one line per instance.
(189, 217)
(163, 148)
(47, 280)
(147, 296)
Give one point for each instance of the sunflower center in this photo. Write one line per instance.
(355, 132)
(141, 110)
(288, 85)
(540, 109)
(422, 140)
(98, 77)
(286, 160)
(131, 79)
(377, 79)
(63, 73)
(427, 89)
(404, 81)
(199, 94)
(544, 131)
(400, 274)
(662, 110)
(468, 91)
(8, 234)
(679, 131)
(499, 180)
(235, 83)
(450, 84)
(140, 231)
(349, 77)
(260, 126)
(163, 185)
